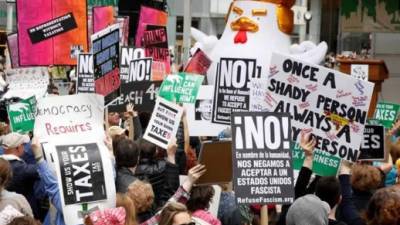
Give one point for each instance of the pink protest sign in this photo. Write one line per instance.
(12, 42)
(149, 16)
(103, 16)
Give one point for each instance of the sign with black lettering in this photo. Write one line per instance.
(373, 145)
(262, 159)
(164, 123)
(52, 28)
(105, 45)
(85, 80)
(82, 173)
(127, 55)
(331, 105)
(232, 87)
(142, 94)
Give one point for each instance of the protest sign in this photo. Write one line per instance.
(386, 113)
(164, 123)
(105, 44)
(373, 145)
(259, 95)
(141, 94)
(359, 71)
(27, 82)
(232, 87)
(12, 43)
(127, 55)
(148, 16)
(199, 63)
(82, 173)
(331, 105)
(140, 69)
(199, 114)
(181, 88)
(123, 22)
(22, 115)
(324, 164)
(103, 16)
(71, 115)
(52, 28)
(55, 17)
(85, 79)
(155, 43)
(262, 159)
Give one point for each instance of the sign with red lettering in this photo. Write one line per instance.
(71, 116)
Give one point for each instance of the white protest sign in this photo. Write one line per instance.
(259, 95)
(127, 55)
(140, 69)
(85, 75)
(164, 123)
(199, 115)
(25, 82)
(85, 176)
(72, 116)
(331, 105)
(360, 71)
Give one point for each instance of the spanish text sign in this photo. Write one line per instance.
(262, 159)
(330, 104)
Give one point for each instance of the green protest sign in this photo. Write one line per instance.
(324, 164)
(22, 115)
(181, 88)
(386, 113)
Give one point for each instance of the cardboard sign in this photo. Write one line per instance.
(85, 77)
(22, 115)
(74, 116)
(386, 113)
(199, 114)
(330, 104)
(262, 159)
(324, 164)
(232, 87)
(82, 173)
(259, 96)
(199, 63)
(105, 44)
(164, 123)
(103, 16)
(181, 88)
(27, 82)
(142, 94)
(373, 145)
(155, 43)
(55, 50)
(52, 28)
(359, 71)
(127, 55)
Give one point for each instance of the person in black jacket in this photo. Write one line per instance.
(163, 175)
(126, 158)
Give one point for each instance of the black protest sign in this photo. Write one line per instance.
(262, 160)
(141, 94)
(373, 144)
(140, 70)
(52, 28)
(127, 55)
(82, 173)
(232, 87)
(155, 36)
(85, 80)
(105, 46)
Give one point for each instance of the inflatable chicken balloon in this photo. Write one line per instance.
(254, 30)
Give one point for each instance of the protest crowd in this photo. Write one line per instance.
(230, 137)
